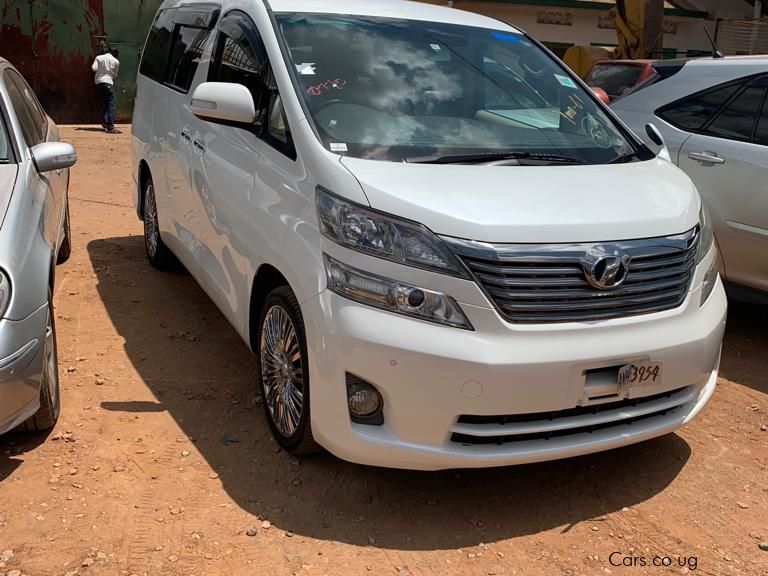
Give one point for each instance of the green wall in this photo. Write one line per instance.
(126, 25)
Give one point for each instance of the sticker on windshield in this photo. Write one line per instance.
(596, 130)
(565, 81)
(338, 147)
(306, 68)
(516, 38)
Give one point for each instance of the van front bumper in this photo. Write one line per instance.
(429, 375)
(22, 346)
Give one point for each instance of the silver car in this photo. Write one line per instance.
(34, 237)
(713, 116)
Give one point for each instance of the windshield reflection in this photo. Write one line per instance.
(392, 89)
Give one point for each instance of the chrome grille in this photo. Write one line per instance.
(533, 283)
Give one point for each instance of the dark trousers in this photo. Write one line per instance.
(107, 92)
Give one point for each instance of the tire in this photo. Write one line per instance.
(65, 250)
(281, 350)
(158, 253)
(50, 394)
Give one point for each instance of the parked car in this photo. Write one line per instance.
(34, 237)
(713, 115)
(618, 77)
(435, 268)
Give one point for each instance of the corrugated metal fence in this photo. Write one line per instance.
(744, 36)
(53, 43)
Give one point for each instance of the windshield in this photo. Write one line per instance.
(391, 89)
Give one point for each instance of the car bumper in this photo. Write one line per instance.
(430, 375)
(21, 366)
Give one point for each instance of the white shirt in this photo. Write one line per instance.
(105, 68)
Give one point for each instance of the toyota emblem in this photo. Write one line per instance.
(607, 272)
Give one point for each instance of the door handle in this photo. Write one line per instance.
(710, 157)
(186, 136)
(198, 146)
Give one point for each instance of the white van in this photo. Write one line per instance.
(442, 248)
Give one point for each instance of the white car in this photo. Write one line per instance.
(713, 115)
(442, 248)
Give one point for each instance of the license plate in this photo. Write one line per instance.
(639, 373)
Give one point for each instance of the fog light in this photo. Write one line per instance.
(364, 402)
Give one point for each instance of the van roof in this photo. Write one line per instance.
(401, 9)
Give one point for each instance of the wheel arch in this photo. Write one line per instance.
(267, 278)
(145, 174)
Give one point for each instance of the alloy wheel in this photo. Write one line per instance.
(150, 221)
(282, 371)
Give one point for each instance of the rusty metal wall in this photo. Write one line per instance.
(53, 43)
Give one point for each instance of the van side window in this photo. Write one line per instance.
(155, 57)
(188, 45)
(241, 58)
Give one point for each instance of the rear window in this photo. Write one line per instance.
(693, 112)
(615, 79)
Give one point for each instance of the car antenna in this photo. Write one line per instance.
(715, 52)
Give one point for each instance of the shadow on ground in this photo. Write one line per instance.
(13, 446)
(745, 347)
(199, 370)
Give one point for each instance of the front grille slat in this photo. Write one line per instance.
(534, 283)
(525, 270)
(599, 414)
(634, 300)
(590, 295)
(474, 430)
(657, 273)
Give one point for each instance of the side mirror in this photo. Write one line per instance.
(50, 156)
(655, 136)
(602, 94)
(223, 102)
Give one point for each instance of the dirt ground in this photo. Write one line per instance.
(162, 463)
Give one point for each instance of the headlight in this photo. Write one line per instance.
(394, 296)
(710, 279)
(5, 292)
(706, 234)
(384, 236)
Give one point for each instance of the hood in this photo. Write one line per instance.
(7, 182)
(542, 204)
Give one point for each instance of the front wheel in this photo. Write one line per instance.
(50, 397)
(282, 354)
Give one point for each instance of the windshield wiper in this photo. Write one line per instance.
(624, 158)
(480, 157)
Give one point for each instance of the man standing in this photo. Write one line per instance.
(105, 68)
